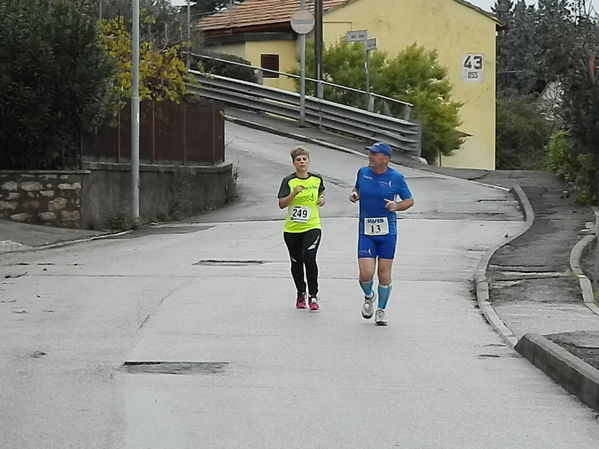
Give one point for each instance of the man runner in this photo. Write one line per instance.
(381, 191)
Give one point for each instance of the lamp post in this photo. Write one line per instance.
(135, 114)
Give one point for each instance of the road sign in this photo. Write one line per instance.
(302, 22)
(356, 36)
(371, 44)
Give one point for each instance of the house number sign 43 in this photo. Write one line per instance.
(473, 68)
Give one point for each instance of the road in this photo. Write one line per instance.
(185, 335)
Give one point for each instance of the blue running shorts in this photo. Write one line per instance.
(382, 246)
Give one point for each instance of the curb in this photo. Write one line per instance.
(481, 283)
(586, 287)
(480, 277)
(576, 376)
(16, 247)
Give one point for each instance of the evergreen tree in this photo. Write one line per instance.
(517, 70)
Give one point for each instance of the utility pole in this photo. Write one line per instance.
(318, 42)
(188, 33)
(135, 114)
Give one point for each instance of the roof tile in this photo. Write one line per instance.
(260, 12)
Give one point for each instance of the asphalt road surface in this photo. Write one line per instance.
(186, 336)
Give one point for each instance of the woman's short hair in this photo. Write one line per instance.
(299, 151)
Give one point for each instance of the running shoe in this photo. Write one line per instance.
(314, 303)
(379, 318)
(368, 306)
(300, 303)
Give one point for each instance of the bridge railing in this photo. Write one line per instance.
(401, 133)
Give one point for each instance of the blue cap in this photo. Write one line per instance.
(380, 147)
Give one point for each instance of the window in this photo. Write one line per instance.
(270, 62)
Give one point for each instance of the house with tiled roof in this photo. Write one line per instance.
(463, 35)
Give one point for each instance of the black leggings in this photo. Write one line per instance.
(302, 248)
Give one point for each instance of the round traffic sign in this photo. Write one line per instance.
(302, 21)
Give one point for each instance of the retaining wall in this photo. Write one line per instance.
(99, 196)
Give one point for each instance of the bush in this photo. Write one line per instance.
(571, 166)
(522, 133)
(54, 79)
(229, 70)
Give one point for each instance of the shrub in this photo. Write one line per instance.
(522, 133)
(229, 70)
(54, 79)
(571, 166)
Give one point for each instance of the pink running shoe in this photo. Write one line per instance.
(314, 303)
(300, 303)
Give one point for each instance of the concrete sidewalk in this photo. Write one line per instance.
(15, 236)
(530, 288)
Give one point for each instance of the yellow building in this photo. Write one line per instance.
(463, 35)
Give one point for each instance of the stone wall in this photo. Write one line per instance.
(166, 191)
(100, 196)
(43, 197)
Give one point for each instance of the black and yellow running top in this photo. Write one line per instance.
(302, 212)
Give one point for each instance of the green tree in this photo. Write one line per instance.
(161, 72)
(554, 34)
(517, 48)
(161, 23)
(343, 64)
(204, 7)
(413, 76)
(54, 78)
(563, 42)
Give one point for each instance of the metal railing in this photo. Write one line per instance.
(401, 133)
(371, 97)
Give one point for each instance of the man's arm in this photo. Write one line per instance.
(398, 206)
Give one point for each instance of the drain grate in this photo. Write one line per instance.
(174, 367)
(229, 263)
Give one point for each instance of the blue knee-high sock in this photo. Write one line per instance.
(367, 287)
(384, 293)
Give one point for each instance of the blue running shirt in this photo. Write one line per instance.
(373, 189)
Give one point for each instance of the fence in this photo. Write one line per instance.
(187, 133)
